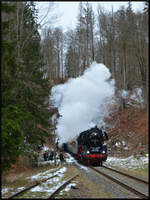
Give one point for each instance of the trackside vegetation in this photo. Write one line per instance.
(24, 86)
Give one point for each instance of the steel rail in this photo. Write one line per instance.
(62, 186)
(140, 194)
(30, 187)
(128, 175)
(35, 184)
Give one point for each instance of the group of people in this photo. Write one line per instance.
(52, 156)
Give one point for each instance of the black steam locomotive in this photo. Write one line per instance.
(89, 146)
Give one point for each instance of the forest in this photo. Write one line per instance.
(30, 63)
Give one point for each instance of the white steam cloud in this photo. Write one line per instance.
(82, 101)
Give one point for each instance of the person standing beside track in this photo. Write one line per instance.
(45, 156)
(61, 157)
(51, 156)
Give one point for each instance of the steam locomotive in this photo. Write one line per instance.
(89, 147)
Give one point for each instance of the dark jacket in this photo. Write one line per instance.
(61, 157)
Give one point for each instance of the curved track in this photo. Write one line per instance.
(30, 187)
(131, 183)
(42, 181)
(61, 187)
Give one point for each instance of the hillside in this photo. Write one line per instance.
(129, 136)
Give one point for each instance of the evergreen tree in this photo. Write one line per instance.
(12, 115)
(24, 88)
(35, 87)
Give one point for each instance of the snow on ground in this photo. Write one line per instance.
(45, 148)
(123, 93)
(70, 159)
(48, 174)
(51, 162)
(117, 144)
(130, 162)
(44, 187)
(5, 190)
(137, 95)
(55, 182)
(67, 188)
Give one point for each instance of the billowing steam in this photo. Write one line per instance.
(82, 101)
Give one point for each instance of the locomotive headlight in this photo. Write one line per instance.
(88, 152)
(103, 152)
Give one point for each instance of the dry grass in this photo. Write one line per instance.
(140, 172)
(85, 188)
(19, 179)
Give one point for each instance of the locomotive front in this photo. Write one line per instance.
(91, 148)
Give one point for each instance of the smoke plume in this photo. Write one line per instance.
(82, 102)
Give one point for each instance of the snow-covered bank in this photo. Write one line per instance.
(130, 162)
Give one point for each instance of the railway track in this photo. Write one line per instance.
(128, 175)
(34, 184)
(130, 183)
(42, 181)
(61, 187)
(30, 187)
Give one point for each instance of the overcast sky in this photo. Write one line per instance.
(67, 11)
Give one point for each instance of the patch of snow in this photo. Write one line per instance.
(82, 167)
(67, 188)
(130, 162)
(37, 189)
(20, 188)
(62, 170)
(134, 97)
(49, 162)
(137, 95)
(53, 118)
(46, 188)
(5, 190)
(123, 93)
(72, 160)
(55, 181)
(45, 148)
(47, 174)
(117, 144)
